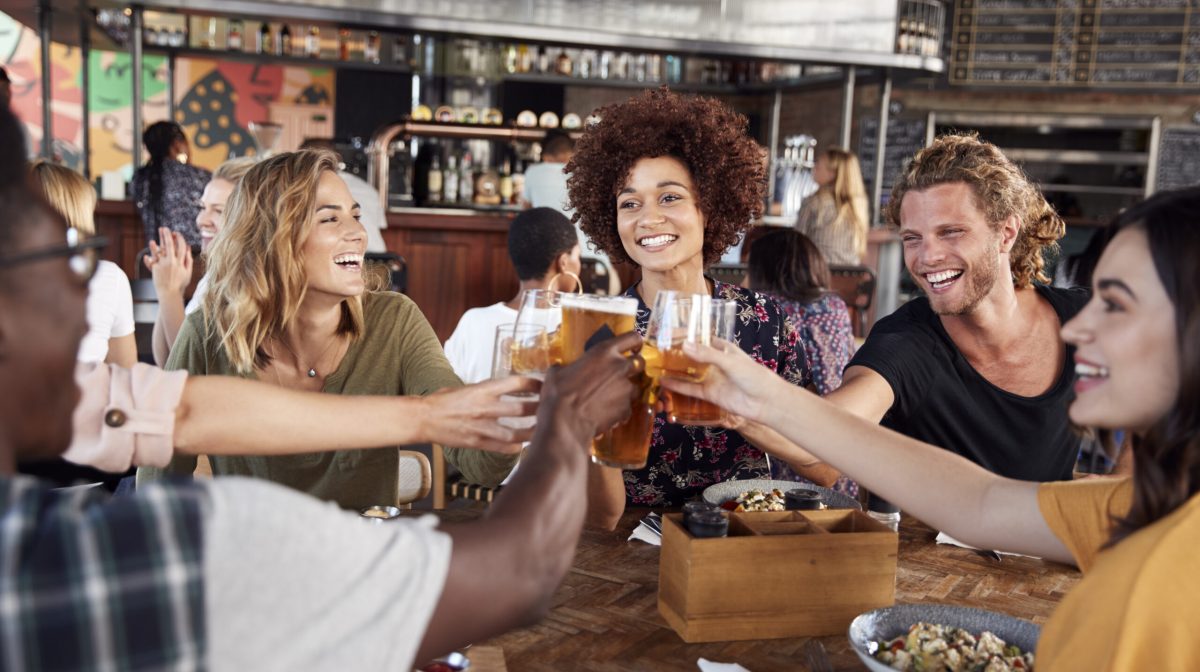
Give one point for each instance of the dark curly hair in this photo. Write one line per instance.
(1001, 190)
(704, 134)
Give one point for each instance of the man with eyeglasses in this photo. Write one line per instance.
(237, 573)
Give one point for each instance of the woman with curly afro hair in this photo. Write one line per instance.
(668, 183)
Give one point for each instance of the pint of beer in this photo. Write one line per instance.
(686, 318)
(588, 320)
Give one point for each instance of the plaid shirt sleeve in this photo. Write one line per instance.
(92, 583)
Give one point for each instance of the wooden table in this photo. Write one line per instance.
(605, 615)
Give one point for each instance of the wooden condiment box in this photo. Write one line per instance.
(777, 574)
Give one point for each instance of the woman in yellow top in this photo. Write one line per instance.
(1138, 364)
(835, 217)
(288, 304)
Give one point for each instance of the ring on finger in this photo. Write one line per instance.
(639, 364)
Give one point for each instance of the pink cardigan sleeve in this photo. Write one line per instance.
(125, 417)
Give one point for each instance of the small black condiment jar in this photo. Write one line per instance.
(801, 499)
(708, 524)
(697, 506)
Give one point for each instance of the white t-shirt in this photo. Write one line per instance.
(370, 208)
(469, 348)
(292, 583)
(197, 299)
(109, 312)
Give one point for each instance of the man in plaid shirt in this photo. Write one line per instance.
(237, 573)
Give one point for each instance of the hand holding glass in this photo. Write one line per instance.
(686, 318)
(586, 321)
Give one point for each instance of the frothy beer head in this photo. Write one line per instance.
(590, 319)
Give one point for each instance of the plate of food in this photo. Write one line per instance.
(767, 495)
(939, 636)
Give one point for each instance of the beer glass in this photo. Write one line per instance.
(686, 318)
(521, 350)
(588, 320)
(543, 307)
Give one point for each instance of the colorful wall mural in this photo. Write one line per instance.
(216, 100)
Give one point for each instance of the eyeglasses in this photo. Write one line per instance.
(82, 254)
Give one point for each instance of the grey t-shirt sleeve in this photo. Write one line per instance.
(292, 583)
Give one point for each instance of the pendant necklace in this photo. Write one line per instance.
(312, 370)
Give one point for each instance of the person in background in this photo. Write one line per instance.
(546, 187)
(544, 249)
(669, 182)
(110, 301)
(836, 216)
(372, 216)
(288, 304)
(167, 189)
(786, 265)
(170, 264)
(240, 574)
(1135, 350)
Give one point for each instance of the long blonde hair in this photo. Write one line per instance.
(849, 195)
(256, 266)
(69, 193)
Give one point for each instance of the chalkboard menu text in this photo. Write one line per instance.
(904, 138)
(1178, 159)
(1077, 43)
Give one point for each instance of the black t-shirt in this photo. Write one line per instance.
(942, 400)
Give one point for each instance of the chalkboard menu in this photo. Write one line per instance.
(1077, 43)
(904, 138)
(1178, 159)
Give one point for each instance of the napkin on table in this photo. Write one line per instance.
(943, 538)
(710, 666)
(649, 530)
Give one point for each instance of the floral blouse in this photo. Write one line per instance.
(684, 459)
(827, 343)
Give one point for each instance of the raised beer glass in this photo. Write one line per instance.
(686, 318)
(588, 320)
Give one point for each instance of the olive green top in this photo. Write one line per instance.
(397, 354)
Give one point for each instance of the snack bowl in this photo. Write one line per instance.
(379, 514)
(722, 492)
(871, 627)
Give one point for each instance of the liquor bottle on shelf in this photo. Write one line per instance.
(622, 69)
(518, 185)
(150, 36)
(312, 43)
(399, 51)
(563, 64)
(902, 38)
(284, 46)
(262, 45)
(606, 64)
(506, 183)
(450, 181)
(639, 69)
(177, 39)
(434, 180)
(511, 61)
(543, 61)
(525, 58)
(674, 69)
(344, 44)
(654, 68)
(210, 33)
(372, 47)
(587, 64)
(466, 180)
(233, 37)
